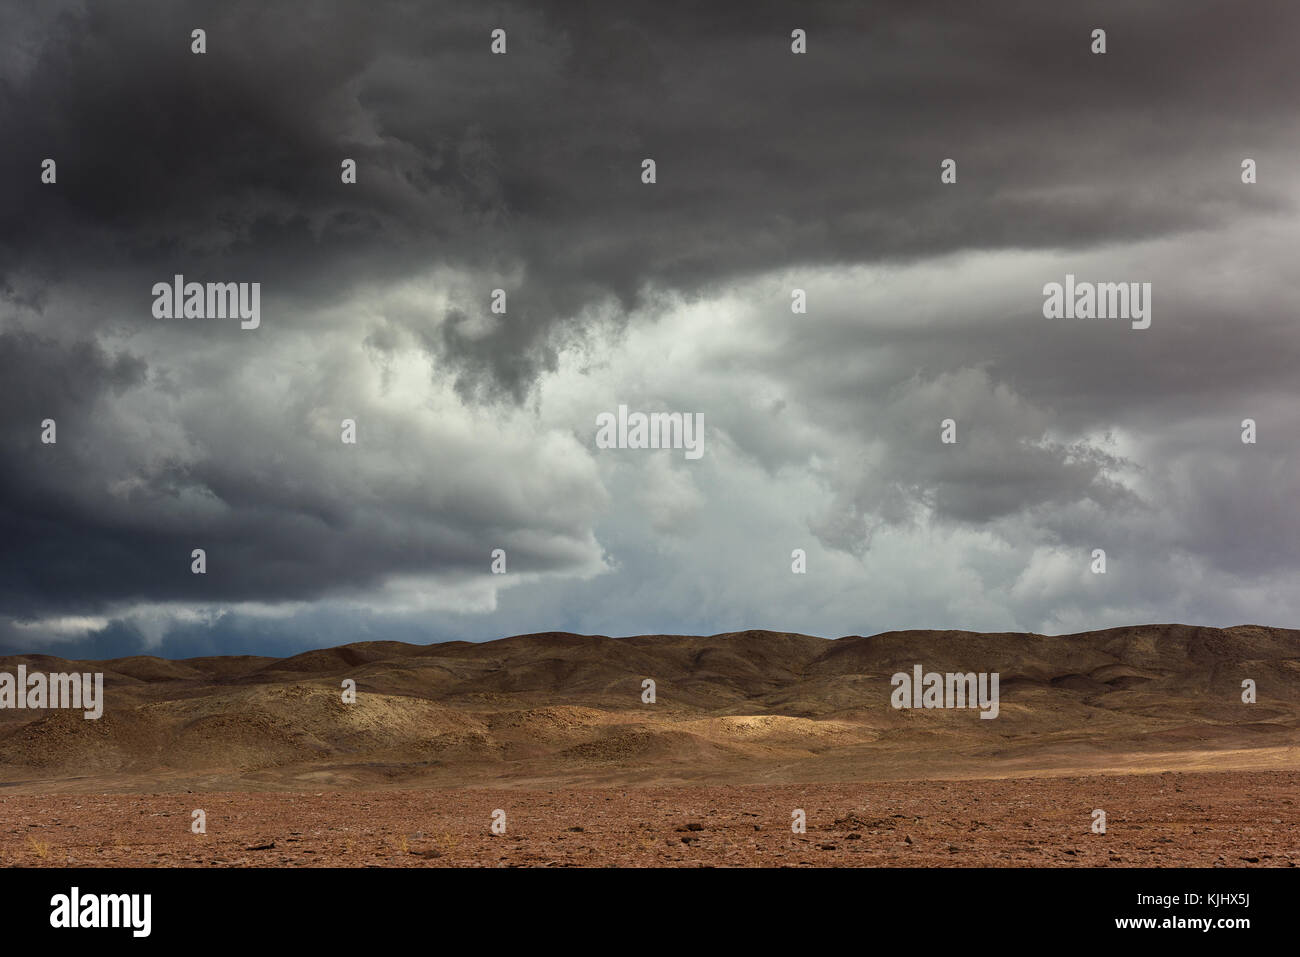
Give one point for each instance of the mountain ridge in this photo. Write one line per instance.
(561, 708)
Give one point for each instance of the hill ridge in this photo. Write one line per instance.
(731, 707)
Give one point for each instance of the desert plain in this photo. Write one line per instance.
(552, 738)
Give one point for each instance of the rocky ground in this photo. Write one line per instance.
(1229, 819)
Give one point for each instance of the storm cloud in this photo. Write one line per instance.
(775, 171)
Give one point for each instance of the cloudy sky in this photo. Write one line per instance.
(775, 171)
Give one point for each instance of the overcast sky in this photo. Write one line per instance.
(774, 171)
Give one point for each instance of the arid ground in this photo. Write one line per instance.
(1146, 724)
(1209, 820)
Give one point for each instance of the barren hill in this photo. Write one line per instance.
(751, 707)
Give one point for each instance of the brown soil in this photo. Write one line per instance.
(1238, 819)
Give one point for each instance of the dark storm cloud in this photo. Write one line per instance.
(230, 160)
(1069, 432)
(281, 516)
(523, 171)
